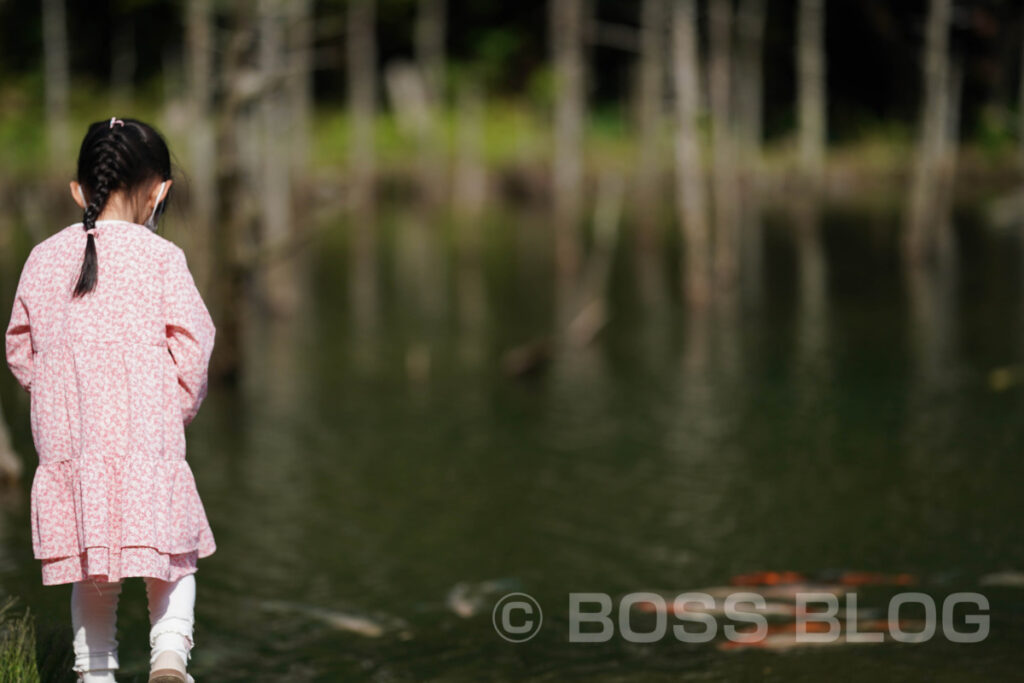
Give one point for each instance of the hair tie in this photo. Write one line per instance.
(115, 121)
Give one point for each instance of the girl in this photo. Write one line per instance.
(112, 340)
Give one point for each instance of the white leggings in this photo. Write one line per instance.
(94, 620)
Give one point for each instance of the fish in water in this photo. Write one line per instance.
(467, 599)
(842, 577)
(1008, 579)
(787, 636)
(349, 622)
(771, 607)
(786, 591)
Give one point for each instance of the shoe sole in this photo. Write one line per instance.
(167, 676)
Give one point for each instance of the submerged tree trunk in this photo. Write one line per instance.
(726, 197)
(362, 98)
(57, 79)
(566, 35)
(750, 21)
(691, 187)
(919, 240)
(811, 85)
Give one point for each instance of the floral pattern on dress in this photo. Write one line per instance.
(114, 377)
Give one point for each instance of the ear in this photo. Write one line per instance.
(77, 194)
(153, 199)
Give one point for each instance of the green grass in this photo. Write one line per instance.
(517, 133)
(17, 645)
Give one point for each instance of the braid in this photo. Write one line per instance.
(116, 155)
(106, 175)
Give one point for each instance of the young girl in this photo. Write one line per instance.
(112, 340)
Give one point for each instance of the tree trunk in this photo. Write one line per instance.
(362, 98)
(1020, 106)
(750, 21)
(430, 56)
(470, 177)
(566, 35)
(430, 47)
(811, 86)
(203, 170)
(943, 208)
(233, 213)
(653, 18)
(300, 81)
(57, 79)
(691, 187)
(651, 110)
(199, 47)
(275, 174)
(920, 235)
(726, 197)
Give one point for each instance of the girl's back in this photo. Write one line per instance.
(115, 374)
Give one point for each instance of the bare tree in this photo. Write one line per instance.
(566, 36)
(651, 110)
(275, 169)
(203, 172)
(653, 18)
(1020, 105)
(691, 187)
(811, 86)
(362, 97)
(470, 174)
(920, 235)
(199, 56)
(300, 82)
(1020, 130)
(430, 46)
(57, 78)
(750, 21)
(726, 197)
(233, 214)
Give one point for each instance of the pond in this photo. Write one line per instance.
(377, 482)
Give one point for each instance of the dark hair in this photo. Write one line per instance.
(117, 154)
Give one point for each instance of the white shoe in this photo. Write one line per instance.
(97, 677)
(169, 667)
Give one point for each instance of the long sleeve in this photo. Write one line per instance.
(190, 334)
(19, 334)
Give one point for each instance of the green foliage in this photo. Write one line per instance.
(17, 646)
(994, 130)
(540, 89)
(495, 51)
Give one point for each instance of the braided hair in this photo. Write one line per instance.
(116, 155)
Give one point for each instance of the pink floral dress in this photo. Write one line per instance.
(114, 377)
